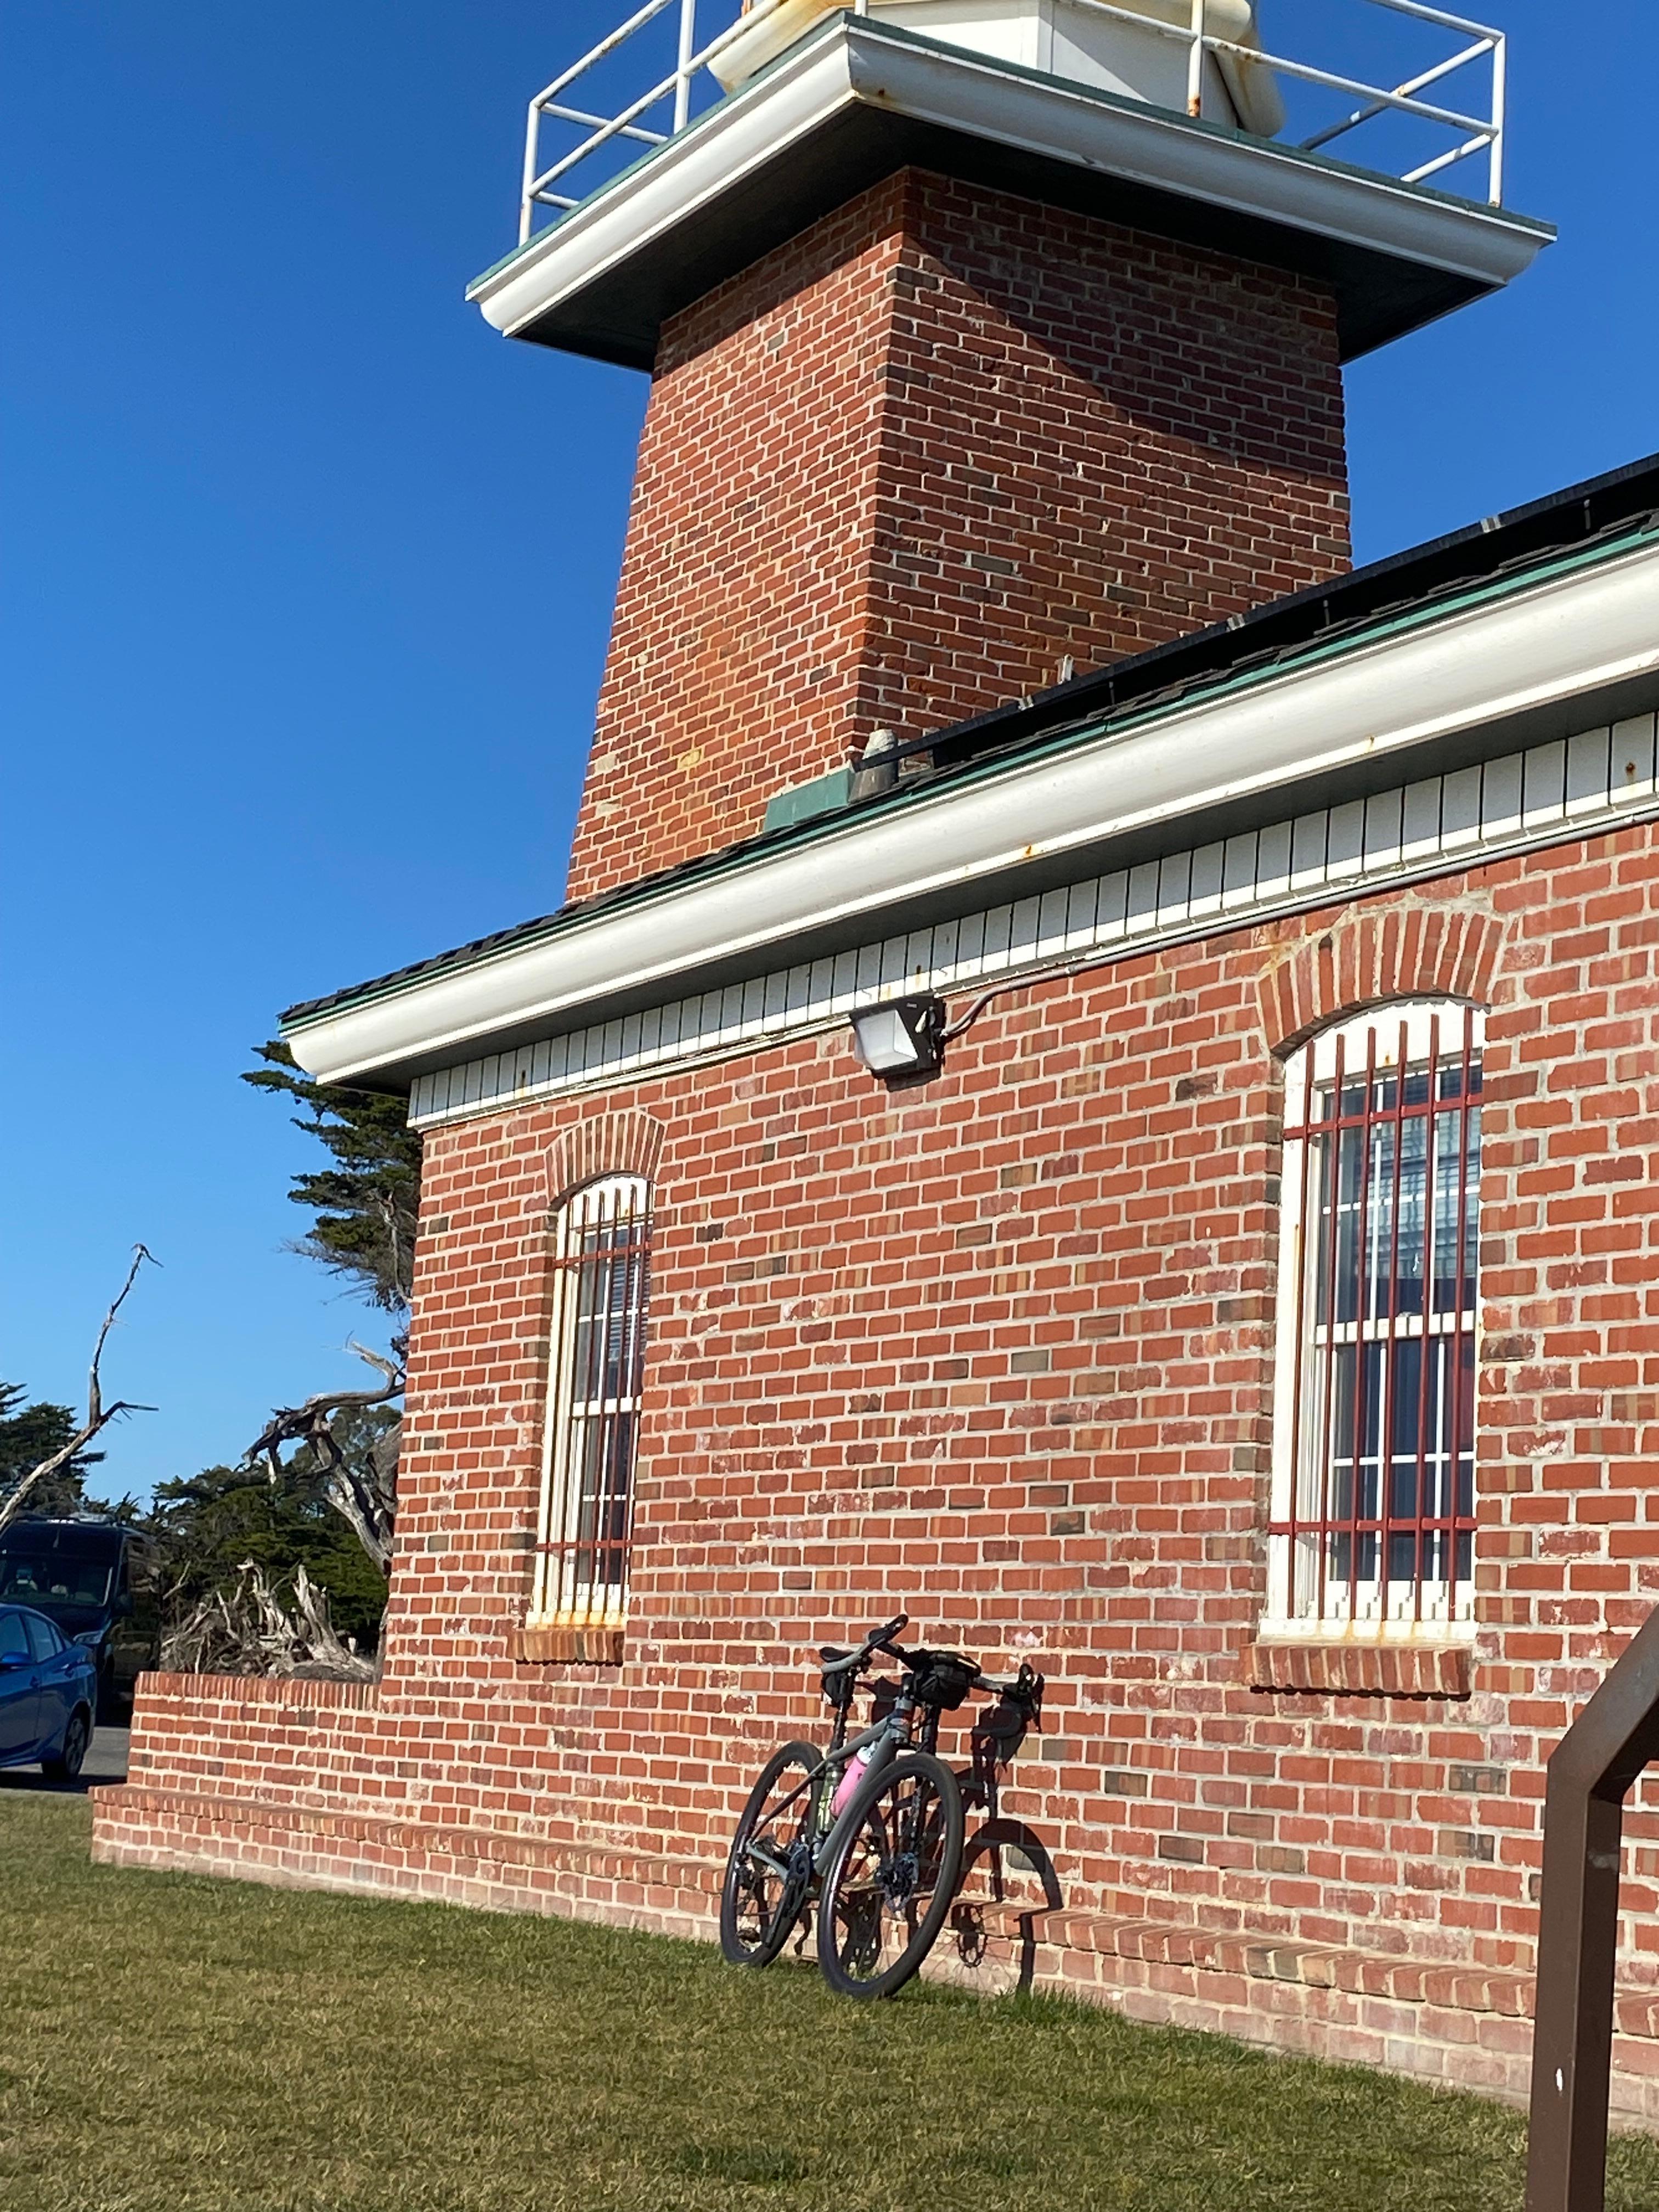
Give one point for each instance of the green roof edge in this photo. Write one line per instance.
(924, 791)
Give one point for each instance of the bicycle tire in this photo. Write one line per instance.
(776, 1902)
(882, 1870)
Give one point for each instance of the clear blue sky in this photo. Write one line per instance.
(307, 575)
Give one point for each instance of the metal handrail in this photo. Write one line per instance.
(1479, 133)
(1379, 101)
(688, 62)
(1589, 1774)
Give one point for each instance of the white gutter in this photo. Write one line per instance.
(855, 62)
(1575, 635)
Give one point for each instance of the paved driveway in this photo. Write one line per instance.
(105, 1762)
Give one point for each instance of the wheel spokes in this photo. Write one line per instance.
(768, 1871)
(887, 1880)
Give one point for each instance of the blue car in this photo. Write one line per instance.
(48, 1695)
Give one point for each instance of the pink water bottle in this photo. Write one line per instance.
(856, 1767)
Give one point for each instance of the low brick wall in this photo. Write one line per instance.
(299, 1847)
(1453, 2027)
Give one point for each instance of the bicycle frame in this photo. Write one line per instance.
(886, 1739)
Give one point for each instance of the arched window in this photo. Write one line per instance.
(1373, 1513)
(602, 1258)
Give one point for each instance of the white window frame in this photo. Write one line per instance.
(583, 1581)
(1304, 1599)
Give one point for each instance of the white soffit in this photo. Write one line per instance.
(1565, 639)
(854, 63)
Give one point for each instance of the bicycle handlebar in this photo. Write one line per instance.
(1024, 1688)
(879, 1639)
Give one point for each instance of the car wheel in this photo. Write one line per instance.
(66, 1766)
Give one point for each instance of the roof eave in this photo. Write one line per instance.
(1513, 656)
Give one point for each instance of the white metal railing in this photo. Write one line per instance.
(673, 93)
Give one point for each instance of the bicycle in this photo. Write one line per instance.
(872, 1825)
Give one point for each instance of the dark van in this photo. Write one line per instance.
(95, 1579)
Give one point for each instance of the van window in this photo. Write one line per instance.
(50, 1578)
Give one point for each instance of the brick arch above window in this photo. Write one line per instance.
(1417, 951)
(617, 1144)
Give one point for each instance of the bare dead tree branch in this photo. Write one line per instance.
(249, 1630)
(366, 1497)
(99, 1416)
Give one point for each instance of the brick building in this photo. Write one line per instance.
(1251, 1321)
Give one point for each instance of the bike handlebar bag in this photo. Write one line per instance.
(943, 1678)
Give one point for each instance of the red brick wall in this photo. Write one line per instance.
(899, 469)
(998, 1350)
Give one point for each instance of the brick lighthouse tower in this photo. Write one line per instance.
(991, 341)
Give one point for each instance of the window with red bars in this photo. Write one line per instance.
(602, 1258)
(1373, 1522)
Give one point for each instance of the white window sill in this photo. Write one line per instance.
(1438, 1634)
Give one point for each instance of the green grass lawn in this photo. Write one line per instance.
(182, 2044)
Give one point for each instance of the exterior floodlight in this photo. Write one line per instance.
(902, 1041)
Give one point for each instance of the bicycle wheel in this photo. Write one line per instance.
(890, 1883)
(769, 1870)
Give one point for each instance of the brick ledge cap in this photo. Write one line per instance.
(1345, 1666)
